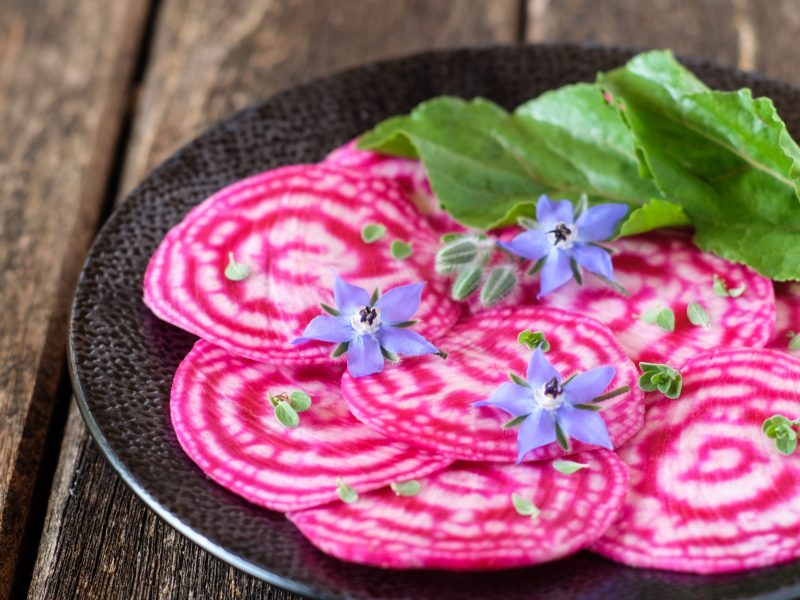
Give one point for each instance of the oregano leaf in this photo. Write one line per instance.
(401, 250)
(698, 315)
(568, 467)
(286, 415)
(524, 507)
(346, 494)
(372, 232)
(299, 401)
(407, 488)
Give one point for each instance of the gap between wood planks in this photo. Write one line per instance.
(51, 453)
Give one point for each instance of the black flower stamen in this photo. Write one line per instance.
(553, 388)
(368, 315)
(561, 233)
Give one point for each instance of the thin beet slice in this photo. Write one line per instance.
(787, 321)
(225, 422)
(710, 493)
(407, 172)
(427, 401)
(292, 227)
(464, 518)
(666, 270)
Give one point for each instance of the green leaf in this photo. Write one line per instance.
(737, 291)
(407, 488)
(776, 421)
(286, 415)
(655, 214)
(389, 355)
(568, 467)
(518, 380)
(787, 444)
(401, 249)
(721, 288)
(300, 401)
(659, 377)
(340, 349)
(794, 343)
(561, 438)
(514, 422)
(236, 271)
(451, 237)
(533, 339)
(466, 283)
(525, 507)
(372, 232)
(346, 494)
(329, 309)
(725, 156)
(499, 284)
(666, 319)
(456, 255)
(536, 267)
(698, 315)
(488, 166)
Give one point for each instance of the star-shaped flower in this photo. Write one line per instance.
(546, 405)
(373, 328)
(560, 239)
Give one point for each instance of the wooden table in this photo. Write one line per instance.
(94, 93)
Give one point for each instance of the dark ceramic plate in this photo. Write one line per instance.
(123, 358)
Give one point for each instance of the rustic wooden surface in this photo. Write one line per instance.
(69, 70)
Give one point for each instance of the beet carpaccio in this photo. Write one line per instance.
(417, 392)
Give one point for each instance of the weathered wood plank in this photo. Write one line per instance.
(209, 58)
(65, 69)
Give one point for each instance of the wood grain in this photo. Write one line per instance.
(65, 69)
(209, 58)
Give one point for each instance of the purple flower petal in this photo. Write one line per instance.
(515, 399)
(326, 329)
(555, 273)
(593, 259)
(540, 371)
(404, 341)
(600, 222)
(584, 425)
(548, 213)
(364, 356)
(589, 385)
(349, 298)
(400, 303)
(536, 431)
(531, 244)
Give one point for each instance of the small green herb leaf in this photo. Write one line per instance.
(451, 237)
(533, 339)
(299, 401)
(407, 488)
(514, 422)
(466, 283)
(775, 422)
(236, 271)
(340, 349)
(372, 232)
(518, 380)
(568, 467)
(794, 343)
(721, 288)
(737, 291)
(346, 494)
(525, 507)
(698, 315)
(286, 415)
(666, 319)
(401, 249)
(330, 310)
(499, 284)
(663, 378)
(787, 444)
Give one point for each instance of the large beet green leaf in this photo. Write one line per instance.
(725, 157)
(488, 166)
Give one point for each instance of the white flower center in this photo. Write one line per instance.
(550, 395)
(366, 320)
(563, 235)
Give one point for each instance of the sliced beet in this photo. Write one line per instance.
(666, 270)
(407, 172)
(787, 321)
(292, 228)
(710, 493)
(427, 401)
(225, 422)
(464, 517)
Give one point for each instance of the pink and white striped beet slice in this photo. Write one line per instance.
(667, 270)
(787, 321)
(464, 518)
(224, 421)
(427, 401)
(709, 492)
(407, 172)
(293, 227)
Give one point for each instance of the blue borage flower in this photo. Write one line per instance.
(372, 327)
(561, 242)
(546, 406)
